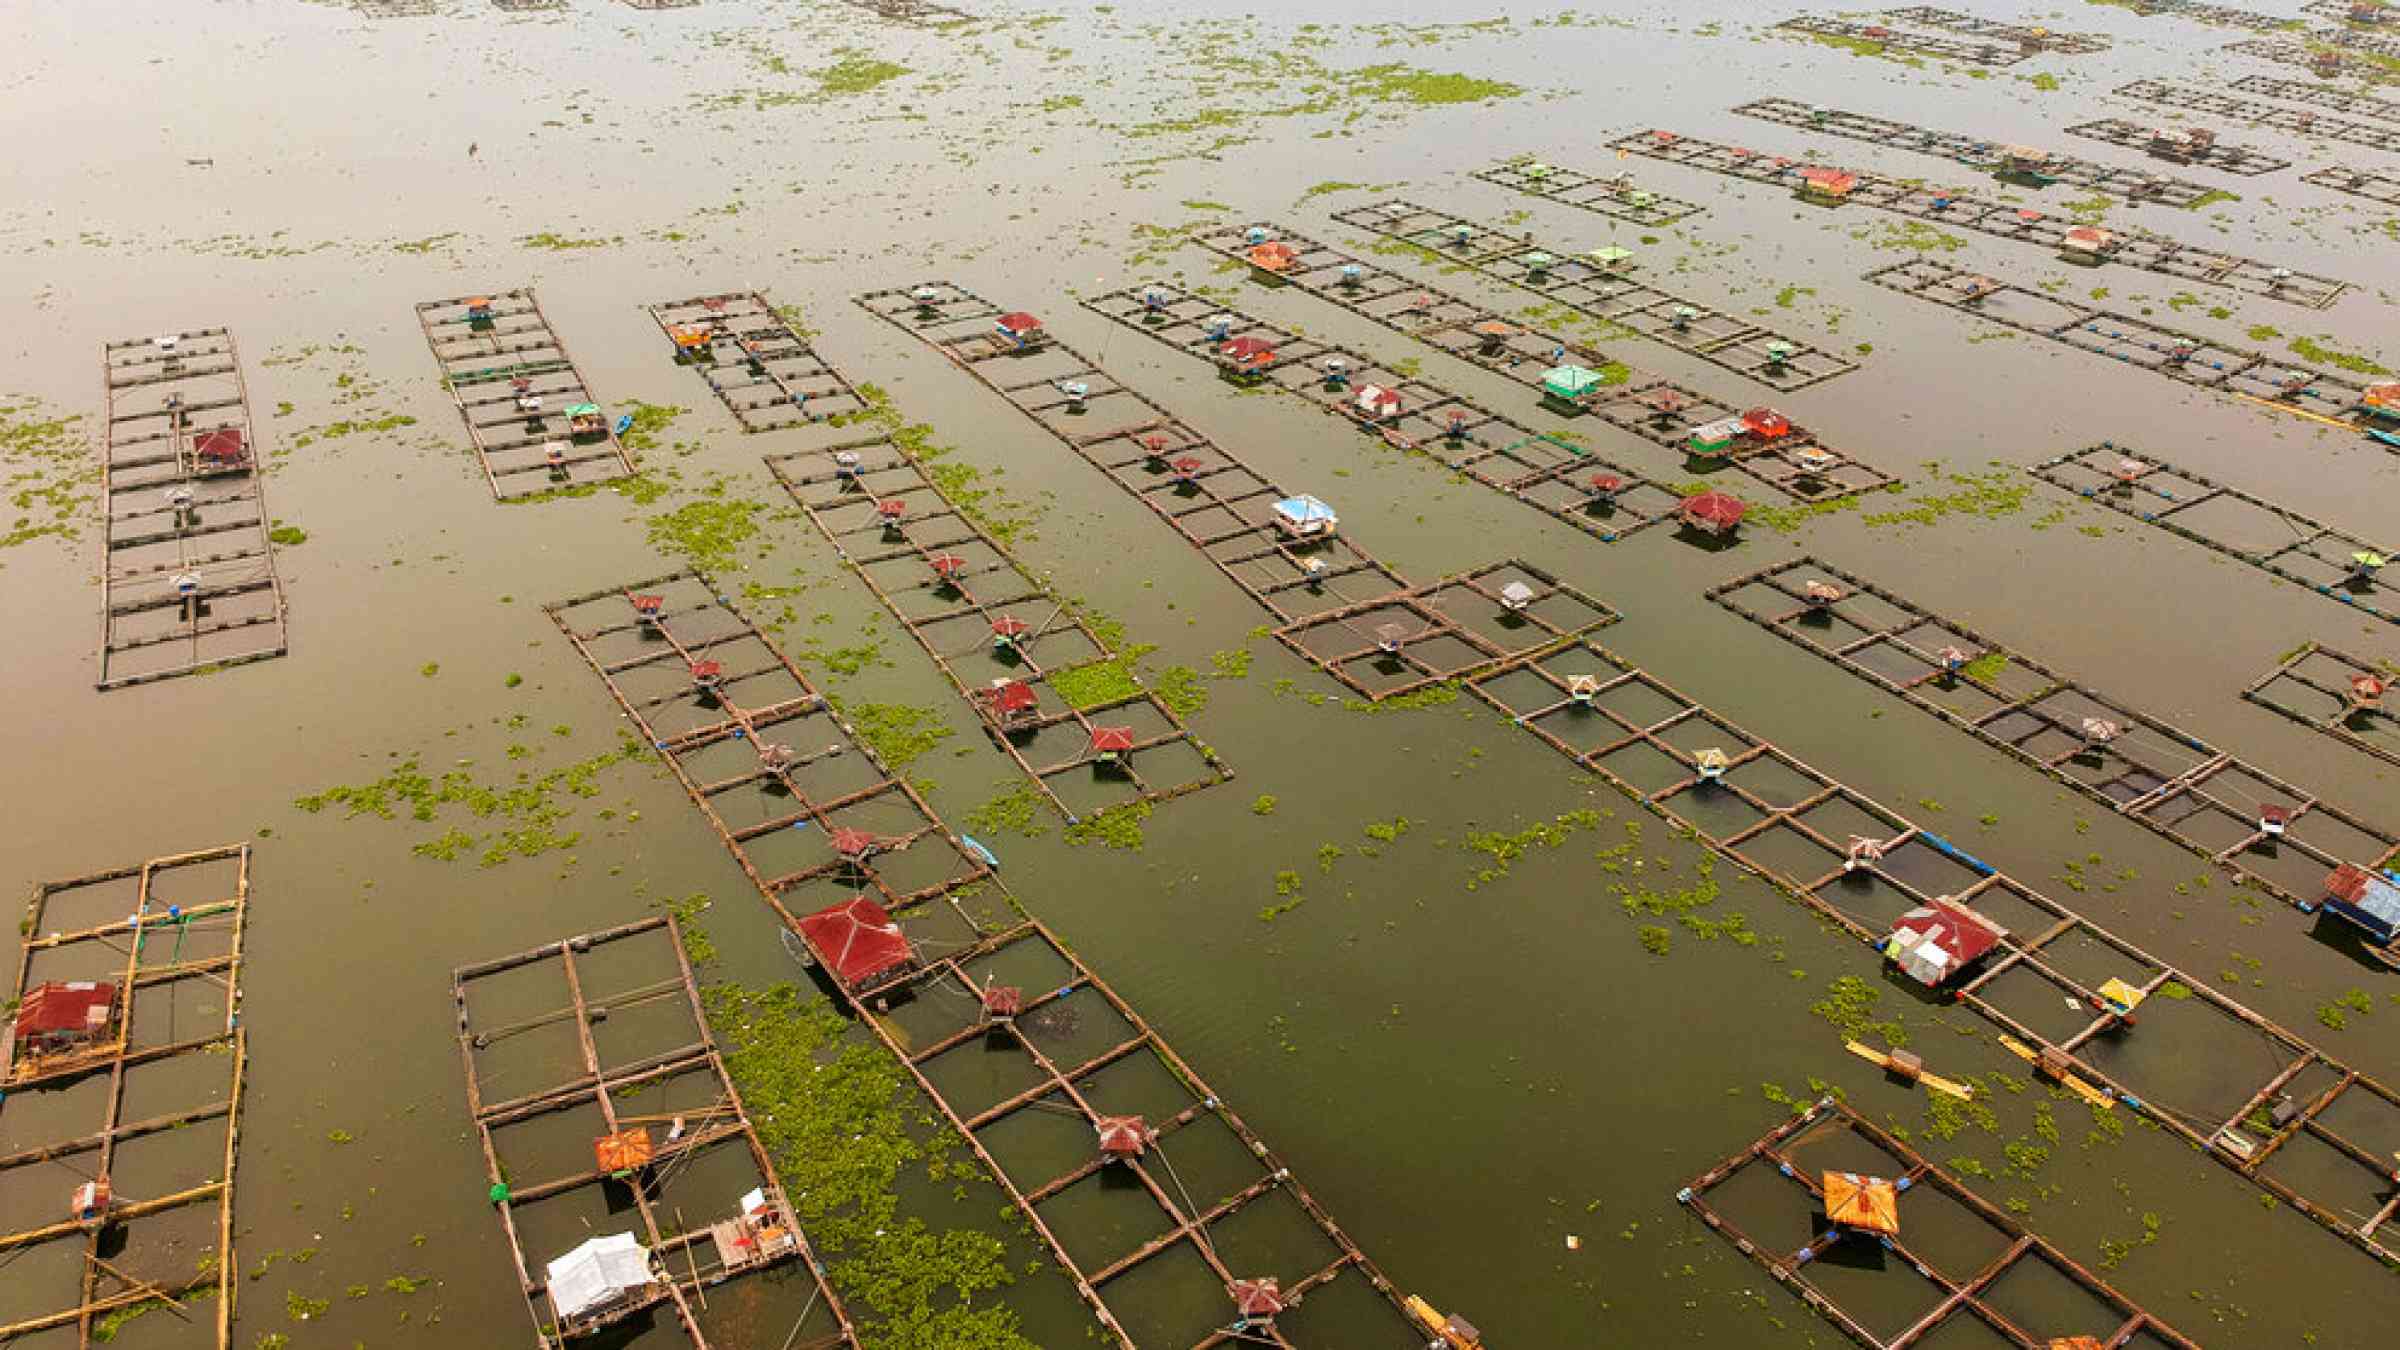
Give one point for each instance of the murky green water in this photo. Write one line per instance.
(1467, 1069)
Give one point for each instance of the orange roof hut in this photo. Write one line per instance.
(1862, 1203)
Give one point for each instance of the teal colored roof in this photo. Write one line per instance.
(1568, 381)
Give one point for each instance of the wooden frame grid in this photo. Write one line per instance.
(2141, 344)
(1951, 1294)
(1791, 825)
(188, 577)
(733, 1245)
(2223, 16)
(756, 363)
(910, 11)
(844, 489)
(397, 9)
(1605, 292)
(2312, 686)
(528, 6)
(662, 4)
(1615, 197)
(2139, 766)
(2135, 247)
(1973, 151)
(137, 1274)
(2032, 38)
(482, 359)
(2214, 104)
(1085, 1067)
(2381, 188)
(769, 762)
(2304, 55)
(2319, 95)
(2240, 160)
(2284, 542)
(1938, 45)
(1796, 464)
(1459, 627)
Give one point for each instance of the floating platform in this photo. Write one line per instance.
(612, 1022)
(1553, 472)
(1801, 466)
(2321, 688)
(2246, 528)
(2124, 246)
(1796, 827)
(2242, 160)
(2382, 188)
(2324, 61)
(2222, 16)
(188, 579)
(528, 6)
(1604, 291)
(1615, 197)
(1975, 152)
(514, 383)
(2135, 764)
(397, 9)
(756, 363)
(2320, 95)
(1969, 51)
(1979, 1267)
(2189, 358)
(164, 938)
(662, 4)
(769, 761)
(2032, 38)
(2361, 40)
(909, 11)
(1003, 638)
(2213, 104)
(2339, 10)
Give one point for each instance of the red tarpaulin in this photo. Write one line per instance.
(1116, 740)
(52, 1008)
(856, 940)
(1020, 323)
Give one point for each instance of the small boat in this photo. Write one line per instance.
(2387, 437)
(988, 858)
(624, 423)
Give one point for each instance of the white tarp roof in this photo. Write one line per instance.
(596, 1272)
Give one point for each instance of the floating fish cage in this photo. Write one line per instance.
(2350, 698)
(2241, 160)
(1966, 50)
(1979, 1276)
(2222, 16)
(1602, 291)
(188, 577)
(397, 9)
(1461, 627)
(2249, 529)
(2381, 188)
(2270, 833)
(2032, 38)
(639, 1135)
(1614, 196)
(910, 11)
(998, 634)
(775, 769)
(534, 421)
(759, 366)
(2125, 246)
(2210, 103)
(128, 990)
(2139, 343)
(2319, 94)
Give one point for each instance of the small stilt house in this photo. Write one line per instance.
(858, 944)
(1934, 943)
(598, 1281)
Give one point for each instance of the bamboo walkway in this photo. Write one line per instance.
(1969, 51)
(2319, 95)
(1958, 1276)
(2235, 523)
(1615, 196)
(513, 380)
(2320, 688)
(759, 366)
(188, 578)
(1604, 290)
(2381, 188)
(1795, 464)
(2129, 246)
(168, 933)
(2223, 156)
(2256, 377)
(1800, 830)
(2302, 123)
(994, 629)
(1552, 472)
(535, 1190)
(1083, 1044)
(2270, 833)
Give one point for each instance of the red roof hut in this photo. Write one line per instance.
(220, 449)
(1247, 354)
(1257, 1301)
(60, 1016)
(1020, 326)
(1002, 1002)
(1712, 512)
(1008, 700)
(857, 942)
(1274, 256)
(1937, 941)
(1862, 1203)
(1122, 1137)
